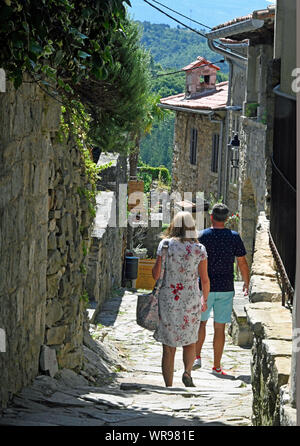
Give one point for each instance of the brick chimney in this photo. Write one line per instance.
(201, 76)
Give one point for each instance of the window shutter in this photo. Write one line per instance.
(193, 146)
(215, 153)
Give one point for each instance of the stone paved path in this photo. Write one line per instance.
(135, 395)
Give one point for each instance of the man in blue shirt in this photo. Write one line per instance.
(222, 246)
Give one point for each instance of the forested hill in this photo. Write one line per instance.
(171, 50)
(176, 47)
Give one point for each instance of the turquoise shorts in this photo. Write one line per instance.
(221, 302)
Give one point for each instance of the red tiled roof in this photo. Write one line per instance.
(261, 14)
(197, 63)
(233, 21)
(212, 101)
(232, 42)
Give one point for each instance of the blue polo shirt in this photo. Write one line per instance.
(222, 246)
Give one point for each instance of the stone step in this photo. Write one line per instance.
(240, 329)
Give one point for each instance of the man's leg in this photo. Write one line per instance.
(167, 364)
(202, 329)
(218, 343)
(222, 315)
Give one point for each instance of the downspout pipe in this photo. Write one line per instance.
(221, 122)
(231, 30)
(234, 57)
(241, 27)
(277, 91)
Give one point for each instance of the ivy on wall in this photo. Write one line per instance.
(87, 55)
(149, 174)
(60, 40)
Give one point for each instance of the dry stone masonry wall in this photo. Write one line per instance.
(108, 237)
(27, 119)
(271, 324)
(68, 243)
(43, 225)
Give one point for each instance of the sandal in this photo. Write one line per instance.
(187, 380)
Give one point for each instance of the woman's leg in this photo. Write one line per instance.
(167, 364)
(189, 357)
(201, 338)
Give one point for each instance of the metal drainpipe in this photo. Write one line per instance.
(231, 58)
(277, 91)
(219, 121)
(239, 60)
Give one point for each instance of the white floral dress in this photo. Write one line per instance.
(179, 297)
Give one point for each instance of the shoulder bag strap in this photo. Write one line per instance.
(163, 265)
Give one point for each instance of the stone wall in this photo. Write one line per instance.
(185, 176)
(26, 124)
(252, 179)
(43, 224)
(108, 237)
(271, 359)
(271, 324)
(68, 243)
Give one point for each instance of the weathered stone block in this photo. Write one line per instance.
(52, 242)
(72, 360)
(240, 331)
(54, 312)
(48, 361)
(56, 335)
(264, 288)
(54, 262)
(269, 320)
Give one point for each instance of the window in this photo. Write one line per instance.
(215, 153)
(206, 79)
(193, 146)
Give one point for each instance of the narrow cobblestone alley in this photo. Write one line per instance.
(135, 395)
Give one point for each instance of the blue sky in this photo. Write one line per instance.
(209, 12)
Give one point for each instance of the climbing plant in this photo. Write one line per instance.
(86, 55)
(148, 174)
(62, 41)
(87, 52)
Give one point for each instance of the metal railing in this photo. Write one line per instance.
(282, 232)
(284, 281)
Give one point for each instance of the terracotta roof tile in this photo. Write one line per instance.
(261, 14)
(212, 101)
(200, 61)
(232, 42)
(233, 21)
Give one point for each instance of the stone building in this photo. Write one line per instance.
(261, 50)
(249, 43)
(200, 134)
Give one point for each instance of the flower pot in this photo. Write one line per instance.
(145, 279)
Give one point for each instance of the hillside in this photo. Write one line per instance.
(176, 47)
(170, 49)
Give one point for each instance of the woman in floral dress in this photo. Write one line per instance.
(180, 301)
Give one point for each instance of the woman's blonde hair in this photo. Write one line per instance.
(182, 227)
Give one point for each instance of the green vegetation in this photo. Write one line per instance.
(176, 47)
(149, 174)
(171, 49)
(85, 298)
(86, 55)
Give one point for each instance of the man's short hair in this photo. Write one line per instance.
(220, 212)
